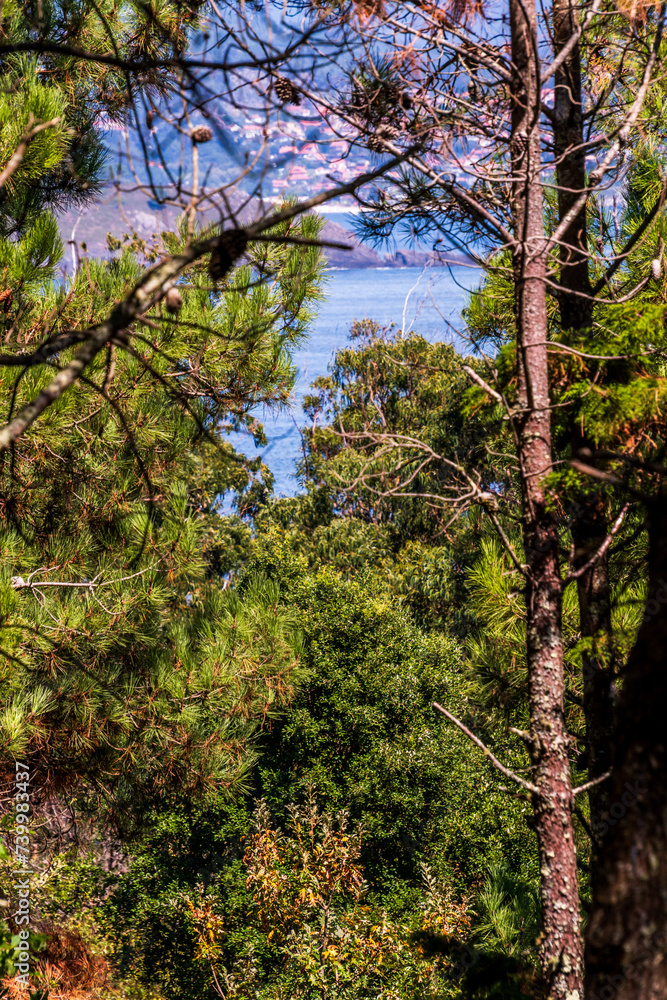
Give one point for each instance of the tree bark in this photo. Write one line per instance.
(576, 308)
(561, 945)
(590, 524)
(589, 531)
(626, 946)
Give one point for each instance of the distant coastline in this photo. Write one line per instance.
(139, 215)
(363, 256)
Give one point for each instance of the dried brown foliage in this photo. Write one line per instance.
(66, 968)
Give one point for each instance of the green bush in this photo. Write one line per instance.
(362, 734)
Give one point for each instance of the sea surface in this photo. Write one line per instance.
(428, 301)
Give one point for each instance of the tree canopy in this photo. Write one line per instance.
(401, 735)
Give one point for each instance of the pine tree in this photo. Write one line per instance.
(107, 589)
(126, 671)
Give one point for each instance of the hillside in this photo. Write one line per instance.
(133, 212)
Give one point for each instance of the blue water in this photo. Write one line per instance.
(428, 302)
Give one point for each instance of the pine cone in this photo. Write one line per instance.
(384, 132)
(173, 300)
(286, 92)
(150, 115)
(230, 247)
(201, 134)
(471, 54)
(391, 92)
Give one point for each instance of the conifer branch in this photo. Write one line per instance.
(153, 286)
(29, 134)
(639, 232)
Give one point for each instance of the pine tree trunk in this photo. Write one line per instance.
(561, 946)
(590, 525)
(589, 531)
(575, 304)
(626, 946)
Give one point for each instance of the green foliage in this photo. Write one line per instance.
(509, 912)
(26, 103)
(388, 383)
(364, 732)
(502, 963)
(150, 645)
(361, 733)
(380, 505)
(36, 138)
(489, 313)
(49, 138)
(160, 695)
(308, 900)
(124, 665)
(32, 260)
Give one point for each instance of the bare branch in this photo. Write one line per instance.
(601, 550)
(18, 583)
(591, 784)
(527, 785)
(589, 470)
(480, 381)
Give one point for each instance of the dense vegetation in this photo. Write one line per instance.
(374, 741)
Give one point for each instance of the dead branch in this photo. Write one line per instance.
(591, 784)
(527, 785)
(575, 574)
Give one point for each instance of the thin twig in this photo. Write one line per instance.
(591, 784)
(18, 583)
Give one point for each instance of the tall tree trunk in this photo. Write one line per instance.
(590, 524)
(589, 531)
(626, 946)
(576, 309)
(561, 948)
